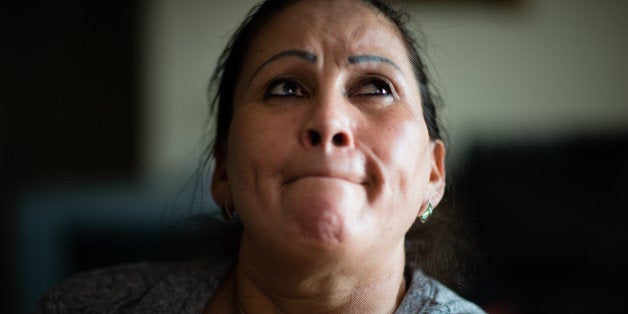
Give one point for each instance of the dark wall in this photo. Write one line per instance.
(552, 217)
(69, 109)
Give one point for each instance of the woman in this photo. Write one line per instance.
(327, 152)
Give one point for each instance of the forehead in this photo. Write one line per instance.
(318, 26)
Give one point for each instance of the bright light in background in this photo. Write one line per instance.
(534, 70)
(543, 70)
(183, 40)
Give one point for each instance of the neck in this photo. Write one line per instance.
(275, 283)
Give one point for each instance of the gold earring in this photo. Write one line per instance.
(426, 213)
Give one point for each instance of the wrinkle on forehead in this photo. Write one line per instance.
(345, 27)
(357, 18)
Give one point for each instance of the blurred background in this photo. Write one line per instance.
(103, 118)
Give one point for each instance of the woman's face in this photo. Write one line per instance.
(328, 148)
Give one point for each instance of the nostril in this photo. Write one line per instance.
(339, 139)
(314, 137)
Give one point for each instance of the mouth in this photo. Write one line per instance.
(350, 169)
(354, 179)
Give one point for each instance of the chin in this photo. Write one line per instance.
(324, 228)
(321, 210)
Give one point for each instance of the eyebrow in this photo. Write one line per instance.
(372, 58)
(307, 56)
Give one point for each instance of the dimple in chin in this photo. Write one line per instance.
(318, 213)
(323, 226)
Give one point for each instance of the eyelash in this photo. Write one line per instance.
(380, 84)
(285, 80)
(292, 88)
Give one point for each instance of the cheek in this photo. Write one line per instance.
(256, 147)
(404, 146)
(403, 150)
(244, 147)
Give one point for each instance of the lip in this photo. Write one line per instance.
(351, 178)
(349, 166)
(350, 170)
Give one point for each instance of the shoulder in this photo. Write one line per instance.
(160, 287)
(103, 289)
(426, 295)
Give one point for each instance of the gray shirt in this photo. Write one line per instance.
(186, 287)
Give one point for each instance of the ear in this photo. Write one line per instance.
(220, 181)
(436, 184)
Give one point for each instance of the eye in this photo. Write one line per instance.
(373, 87)
(285, 87)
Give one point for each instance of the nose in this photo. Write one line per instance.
(329, 124)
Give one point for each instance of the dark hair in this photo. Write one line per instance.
(427, 246)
